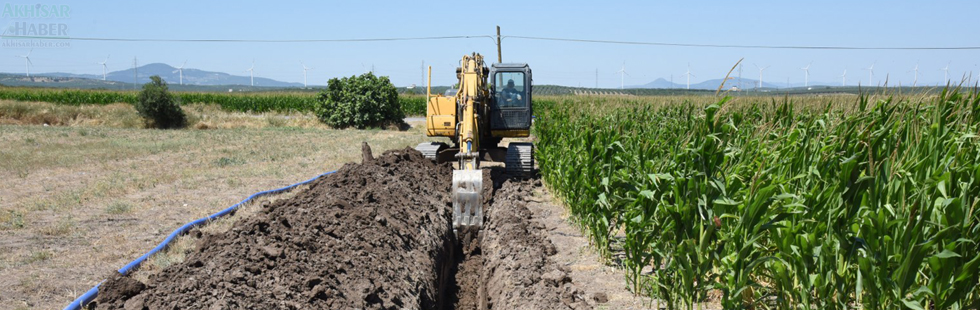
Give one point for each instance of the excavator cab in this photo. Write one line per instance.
(510, 114)
(510, 108)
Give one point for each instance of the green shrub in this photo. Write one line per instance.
(158, 107)
(360, 102)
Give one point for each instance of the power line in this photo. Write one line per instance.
(749, 46)
(247, 40)
(827, 47)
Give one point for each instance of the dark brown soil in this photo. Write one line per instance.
(469, 291)
(518, 273)
(375, 235)
(117, 289)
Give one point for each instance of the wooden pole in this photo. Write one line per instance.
(499, 58)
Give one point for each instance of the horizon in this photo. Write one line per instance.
(708, 84)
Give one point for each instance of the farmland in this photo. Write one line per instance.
(94, 190)
(819, 202)
(789, 203)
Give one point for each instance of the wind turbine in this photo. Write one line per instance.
(304, 73)
(806, 77)
(947, 73)
(181, 71)
(622, 76)
(916, 79)
(251, 76)
(136, 72)
(844, 76)
(689, 76)
(871, 72)
(760, 73)
(740, 76)
(104, 66)
(27, 62)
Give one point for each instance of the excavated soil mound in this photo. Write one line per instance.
(517, 271)
(375, 235)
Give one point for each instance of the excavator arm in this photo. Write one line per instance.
(472, 99)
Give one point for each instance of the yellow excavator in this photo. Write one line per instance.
(487, 105)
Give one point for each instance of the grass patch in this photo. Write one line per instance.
(11, 219)
(275, 121)
(37, 256)
(118, 207)
(226, 161)
(65, 226)
(43, 113)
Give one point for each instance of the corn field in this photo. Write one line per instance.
(843, 204)
(239, 102)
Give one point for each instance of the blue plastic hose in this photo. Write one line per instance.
(94, 291)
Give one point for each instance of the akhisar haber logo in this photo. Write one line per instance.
(35, 11)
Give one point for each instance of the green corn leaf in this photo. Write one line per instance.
(912, 304)
(947, 254)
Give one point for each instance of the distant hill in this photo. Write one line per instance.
(172, 76)
(746, 83)
(662, 83)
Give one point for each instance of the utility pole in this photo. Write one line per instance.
(499, 57)
(740, 77)
(596, 77)
(135, 74)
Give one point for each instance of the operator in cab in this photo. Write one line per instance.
(512, 97)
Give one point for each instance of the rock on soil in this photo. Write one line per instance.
(375, 235)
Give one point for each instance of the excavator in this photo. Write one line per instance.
(489, 104)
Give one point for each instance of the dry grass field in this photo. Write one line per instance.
(88, 194)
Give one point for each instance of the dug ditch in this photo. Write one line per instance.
(374, 235)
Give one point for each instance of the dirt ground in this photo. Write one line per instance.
(605, 283)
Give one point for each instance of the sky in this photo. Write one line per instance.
(785, 23)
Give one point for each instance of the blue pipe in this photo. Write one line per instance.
(90, 295)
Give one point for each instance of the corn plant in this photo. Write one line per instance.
(822, 205)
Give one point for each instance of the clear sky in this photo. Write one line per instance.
(811, 23)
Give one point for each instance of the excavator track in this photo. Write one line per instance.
(430, 149)
(520, 159)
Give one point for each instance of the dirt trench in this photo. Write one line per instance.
(375, 235)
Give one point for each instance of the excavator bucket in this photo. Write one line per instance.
(467, 198)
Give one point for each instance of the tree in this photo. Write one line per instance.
(158, 107)
(359, 101)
